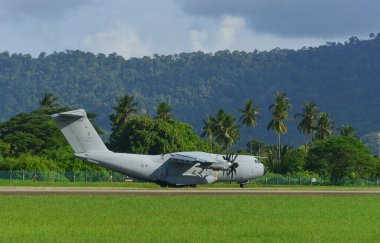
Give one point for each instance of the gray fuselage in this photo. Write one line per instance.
(159, 168)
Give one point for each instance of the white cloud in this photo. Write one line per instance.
(294, 18)
(118, 38)
(135, 28)
(197, 39)
(233, 33)
(227, 32)
(216, 36)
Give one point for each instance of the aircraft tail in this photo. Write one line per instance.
(79, 131)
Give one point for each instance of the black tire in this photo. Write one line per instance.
(243, 185)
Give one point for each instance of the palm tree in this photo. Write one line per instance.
(163, 111)
(250, 117)
(325, 127)
(125, 108)
(226, 130)
(347, 130)
(280, 114)
(208, 129)
(309, 121)
(48, 102)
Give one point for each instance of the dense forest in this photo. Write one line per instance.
(342, 79)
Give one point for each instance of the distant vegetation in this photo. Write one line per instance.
(343, 79)
(33, 142)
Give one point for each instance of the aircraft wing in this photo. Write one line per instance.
(192, 158)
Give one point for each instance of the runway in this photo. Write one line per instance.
(175, 192)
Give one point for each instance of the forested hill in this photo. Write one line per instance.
(343, 79)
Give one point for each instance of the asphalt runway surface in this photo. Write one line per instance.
(175, 191)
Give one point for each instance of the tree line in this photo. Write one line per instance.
(32, 142)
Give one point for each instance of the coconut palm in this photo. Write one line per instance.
(325, 127)
(279, 110)
(347, 130)
(226, 130)
(48, 102)
(309, 120)
(250, 117)
(163, 111)
(208, 129)
(125, 108)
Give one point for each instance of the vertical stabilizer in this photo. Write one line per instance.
(79, 131)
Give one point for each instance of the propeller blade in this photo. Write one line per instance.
(231, 159)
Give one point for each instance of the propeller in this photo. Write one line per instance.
(231, 159)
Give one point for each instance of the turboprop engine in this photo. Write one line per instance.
(221, 166)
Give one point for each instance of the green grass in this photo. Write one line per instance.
(189, 218)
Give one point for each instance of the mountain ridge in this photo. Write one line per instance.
(343, 79)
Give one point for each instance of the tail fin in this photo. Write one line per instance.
(79, 131)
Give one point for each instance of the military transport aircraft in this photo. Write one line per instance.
(173, 169)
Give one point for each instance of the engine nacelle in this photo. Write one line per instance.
(220, 166)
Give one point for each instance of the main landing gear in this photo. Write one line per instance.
(243, 184)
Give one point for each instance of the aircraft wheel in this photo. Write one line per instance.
(193, 185)
(243, 185)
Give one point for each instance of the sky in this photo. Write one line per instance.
(136, 28)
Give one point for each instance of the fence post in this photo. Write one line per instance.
(377, 181)
(10, 175)
(277, 180)
(110, 179)
(23, 175)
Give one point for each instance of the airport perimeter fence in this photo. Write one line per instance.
(278, 179)
(111, 176)
(59, 176)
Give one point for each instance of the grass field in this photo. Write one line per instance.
(189, 218)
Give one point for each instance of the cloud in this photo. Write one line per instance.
(221, 36)
(197, 39)
(228, 30)
(295, 18)
(15, 10)
(118, 38)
